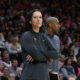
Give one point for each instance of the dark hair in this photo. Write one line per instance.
(66, 61)
(14, 60)
(29, 16)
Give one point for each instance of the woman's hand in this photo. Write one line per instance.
(29, 58)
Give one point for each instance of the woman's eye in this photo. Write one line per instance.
(40, 17)
(35, 17)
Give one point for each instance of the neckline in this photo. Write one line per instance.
(33, 32)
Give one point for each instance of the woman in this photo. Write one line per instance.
(67, 69)
(37, 49)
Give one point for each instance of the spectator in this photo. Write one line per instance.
(2, 44)
(61, 61)
(11, 76)
(15, 49)
(6, 59)
(14, 67)
(67, 69)
(75, 47)
(18, 73)
(5, 73)
(1, 69)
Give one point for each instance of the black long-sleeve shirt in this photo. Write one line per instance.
(36, 45)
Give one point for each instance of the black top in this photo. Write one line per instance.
(36, 45)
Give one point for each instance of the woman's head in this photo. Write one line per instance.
(34, 18)
(67, 62)
(6, 71)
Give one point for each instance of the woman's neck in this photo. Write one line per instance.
(36, 30)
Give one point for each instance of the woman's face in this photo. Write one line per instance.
(69, 62)
(36, 20)
(5, 71)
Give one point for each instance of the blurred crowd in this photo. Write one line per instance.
(13, 23)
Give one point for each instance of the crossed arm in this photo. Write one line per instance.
(34, 53)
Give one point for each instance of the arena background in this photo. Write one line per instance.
(13, 18)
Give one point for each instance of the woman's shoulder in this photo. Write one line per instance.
(26, 33)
